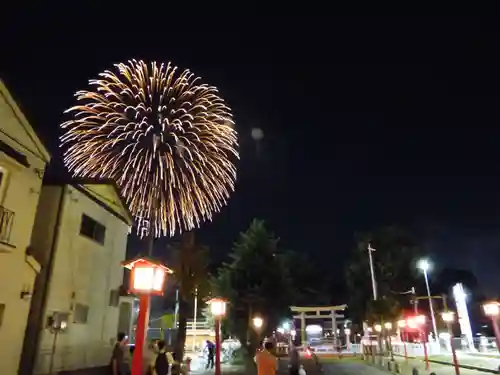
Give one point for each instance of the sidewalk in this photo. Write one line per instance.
(437, 368)
(469, 360)
(198, 367)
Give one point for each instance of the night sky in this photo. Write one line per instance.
(367, 121)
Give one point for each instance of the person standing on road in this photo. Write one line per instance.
(267, 363)
(119, 359)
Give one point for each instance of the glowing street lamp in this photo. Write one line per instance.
(449, 317)
(257, 322)
(388, 326)
(492, 310)
(424, 265)
(147, 277)
(377, 328)
(218, 309)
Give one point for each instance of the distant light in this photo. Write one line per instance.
(281, 330)
(314, 328)
(257, 322)
(491, 309)
(257, 134)
(286, 326)
(448, 316)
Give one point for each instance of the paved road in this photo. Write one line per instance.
(350, 368)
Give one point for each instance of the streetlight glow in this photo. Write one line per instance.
(377, 327)
(448, 316)
(257, 322)
(491, 309)
(217, 307)
(401, 323)
(424, 265)
(388, 325)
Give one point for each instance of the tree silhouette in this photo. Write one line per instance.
(255, 281)
(190, 271)
(395, 272)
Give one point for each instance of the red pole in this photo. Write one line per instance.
(140, 335)
(422, 333)
(496, 330)
(405, 337)
(217, 346)
(455, 360)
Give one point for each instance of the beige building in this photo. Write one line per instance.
(80, 234)
(22, 164)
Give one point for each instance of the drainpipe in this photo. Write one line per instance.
(36, 315)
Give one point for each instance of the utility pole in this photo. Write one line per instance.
(374, 284)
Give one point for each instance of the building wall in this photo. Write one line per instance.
(84, 273)
(19, 193)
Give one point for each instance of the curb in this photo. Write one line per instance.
(467, 367)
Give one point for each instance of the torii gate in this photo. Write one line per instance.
(318, 310)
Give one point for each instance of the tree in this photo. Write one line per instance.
(255, 281)
(394, 264)
(310, 285)
(190, 271)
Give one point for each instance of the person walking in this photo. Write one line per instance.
(210, 355)
(120, 365)
(267, 363)
(160, 364)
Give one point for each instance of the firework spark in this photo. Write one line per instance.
(167, 140)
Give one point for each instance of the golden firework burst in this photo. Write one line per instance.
(166, 139)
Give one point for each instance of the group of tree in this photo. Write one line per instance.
(395, 265)
(259, 279)
(262, 278)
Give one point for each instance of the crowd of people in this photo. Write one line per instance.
(158, 361)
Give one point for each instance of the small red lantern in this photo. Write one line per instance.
(147, 276)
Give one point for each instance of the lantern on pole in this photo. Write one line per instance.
(218, 310)
(147, 277)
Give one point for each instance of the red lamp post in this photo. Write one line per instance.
(218, 309)
(449, 318)
(492, 311)
(147, 277)
(418, 322)
(404, 335)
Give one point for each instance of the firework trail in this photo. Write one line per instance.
(167, 140)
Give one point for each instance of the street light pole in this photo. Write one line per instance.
(195, 316)
(431, 306)
(218, 308)
(424, 266)
(374, 284)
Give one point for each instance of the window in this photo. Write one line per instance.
(80, 314)
(114, 297)
(2, 310)
(92, 229)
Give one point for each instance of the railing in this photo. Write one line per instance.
(6, 222)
